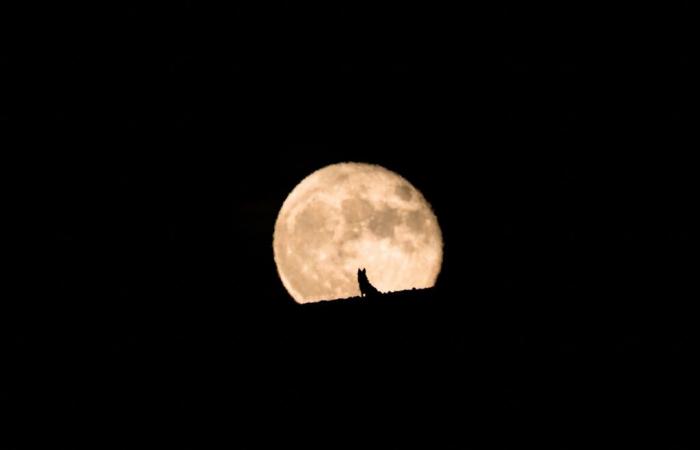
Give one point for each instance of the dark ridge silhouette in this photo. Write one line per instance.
(369, 292)
(469, 364)
(409, 296)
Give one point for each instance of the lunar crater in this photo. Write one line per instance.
(405, 192)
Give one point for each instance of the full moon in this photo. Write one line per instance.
(353, 215)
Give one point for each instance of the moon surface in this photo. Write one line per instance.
(352, 215)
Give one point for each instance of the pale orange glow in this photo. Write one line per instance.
(351, 215)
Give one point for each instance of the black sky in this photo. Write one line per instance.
(545, 139)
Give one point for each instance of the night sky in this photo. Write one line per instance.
(545, 140)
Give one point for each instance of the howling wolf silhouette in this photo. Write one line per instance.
(366, 288)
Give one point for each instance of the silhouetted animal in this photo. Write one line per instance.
(366, 288)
